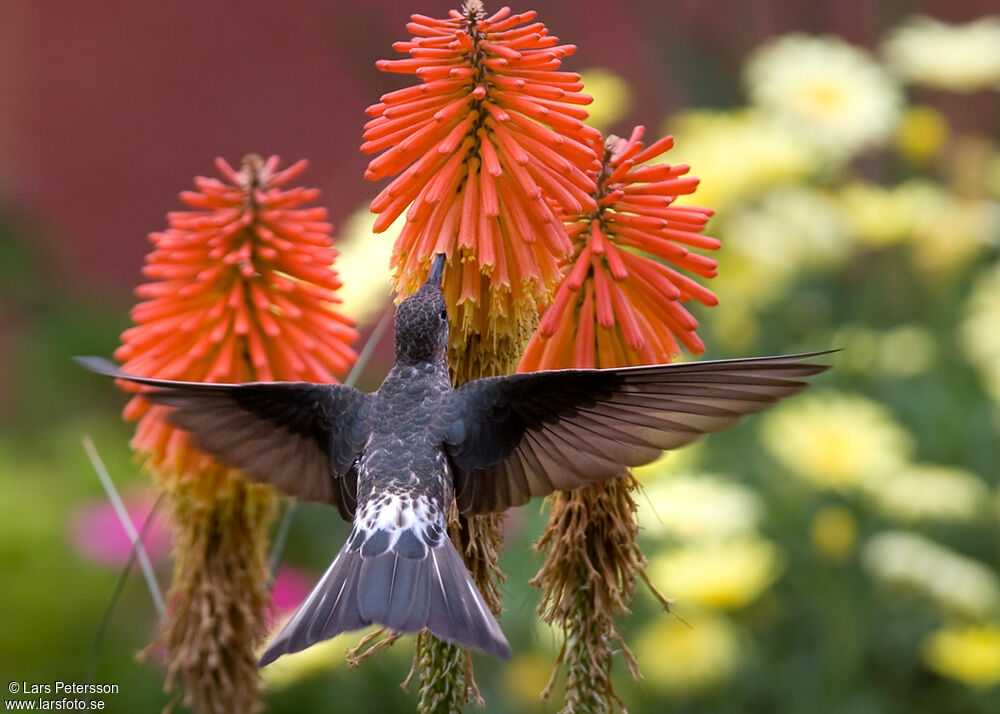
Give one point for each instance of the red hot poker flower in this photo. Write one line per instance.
(492, 150)
(616, 306)
(241, 289)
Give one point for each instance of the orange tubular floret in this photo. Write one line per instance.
(494, 83)
(624, 307)
(241, 290)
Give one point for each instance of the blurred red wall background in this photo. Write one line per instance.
(108, 108)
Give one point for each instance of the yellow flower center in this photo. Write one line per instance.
(836, 455)
(823, 99)
(834, 532)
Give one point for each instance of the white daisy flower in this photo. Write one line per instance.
(829, 93)
(924, 492)
(961, 58)
(956, 583)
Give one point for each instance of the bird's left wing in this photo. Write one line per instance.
(512, 438)
(300, 437)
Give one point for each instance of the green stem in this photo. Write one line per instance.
(445, 675)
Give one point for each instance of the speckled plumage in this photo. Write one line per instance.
(398, 564)
(394, 461)
(404, 478)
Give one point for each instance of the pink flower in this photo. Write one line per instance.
(96, 533)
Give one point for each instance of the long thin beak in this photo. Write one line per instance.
(437, 269)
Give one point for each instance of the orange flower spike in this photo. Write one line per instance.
(246, 272)
(484, 156)
(496, 128)
(240, 289)
(625, 307)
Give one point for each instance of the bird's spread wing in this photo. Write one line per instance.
(512, 438)
(299, 437)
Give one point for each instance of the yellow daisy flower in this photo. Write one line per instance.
(708, 140)
(725, 574)
(698, 508)
(956, 235)
(835, 441)
(793, 228)
(789, 230)
(969, 654)
(884, 215)
(691, 655)
(906, 351)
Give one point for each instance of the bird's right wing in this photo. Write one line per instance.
(299, 437)
(512, 438)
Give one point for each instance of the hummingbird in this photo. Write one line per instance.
(394, 461)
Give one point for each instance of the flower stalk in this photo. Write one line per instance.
(491, 152)
(617, 305)
(241, 289)
(591, 563)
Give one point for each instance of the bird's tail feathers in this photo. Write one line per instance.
(402, 593)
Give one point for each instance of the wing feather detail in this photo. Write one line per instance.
(517, 437)
(299, 437)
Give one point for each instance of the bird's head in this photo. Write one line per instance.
(422, 321)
